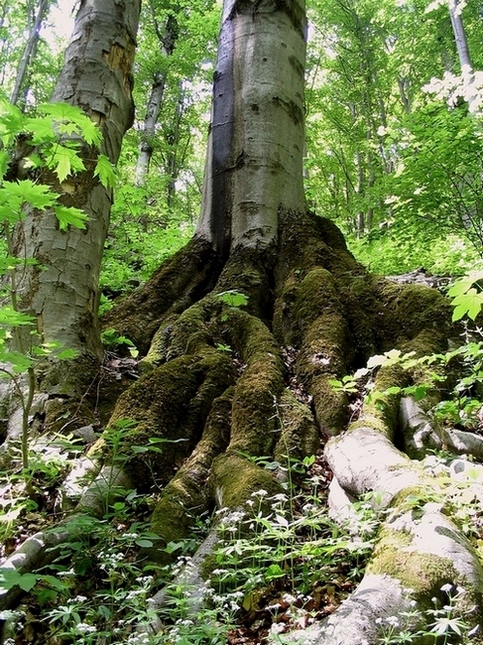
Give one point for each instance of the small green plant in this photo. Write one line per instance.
(111, 338)
(445, 624)
(223, 348)
(466, 296)
(233, 299)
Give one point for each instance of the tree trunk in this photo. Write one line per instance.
(167, 41)
(29, 52)
(97, 76)
(460, 35)
(255, 148)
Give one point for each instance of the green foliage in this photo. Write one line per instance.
(466, 296)
(404, 247)
(112, 339)
(106, 171)
(445, 623)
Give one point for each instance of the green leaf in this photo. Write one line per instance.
(20, 362)
(10, 578)
(37, 195)
(67, 354)
(11, 122)
(420, 391)
(9, 316)
(274, 571)
(90, 132)
(233, 298)
(143, 542)
(467, 304)
(62, 111)
(462, 285)
(54, 582)
(106, 172)
(42, 130)
(70, 216)
(394, 389)
(4, 160)
(64, 161)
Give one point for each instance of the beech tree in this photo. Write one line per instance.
(97, 76)
(263, 279)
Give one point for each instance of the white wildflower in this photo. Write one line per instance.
(392, 621)
(288, 598)
(84, 628)
(260, 493)
(277, 628)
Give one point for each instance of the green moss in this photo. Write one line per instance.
(249, 271)
(172, 403)
(411, 309)
(176, 285)
(423, 572)
(159, 346)
(234, 478)
(262, 380)
(187, 496)
(253, 415)
(299, 436)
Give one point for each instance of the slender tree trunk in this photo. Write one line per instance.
(29, 51)
(467, 70)
(96, 76)
(175, 157)
(167, 40)
(455, 9)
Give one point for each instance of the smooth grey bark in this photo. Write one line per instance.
(167, 39)
(459, 34)
(96, 77)
(254, 165)
(467, 70)
(29, 51)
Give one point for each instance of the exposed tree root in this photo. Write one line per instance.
(216, 396)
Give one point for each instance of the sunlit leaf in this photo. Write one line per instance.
(37, 195)
(105, 171)
(70, 216)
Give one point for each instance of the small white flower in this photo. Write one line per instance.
(260, 493)
(80, 599)
(289, 598)
(277, 628)
(392, 621)
(280, 497)
(447, 588)
(84, 628)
